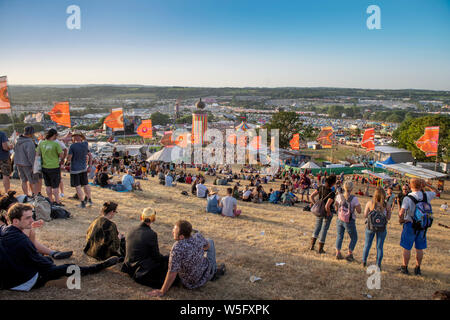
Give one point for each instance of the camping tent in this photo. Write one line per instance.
(310, 165)
(388, 161)
(168, 154)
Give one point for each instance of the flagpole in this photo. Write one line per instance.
(10, 104)
(437, 155)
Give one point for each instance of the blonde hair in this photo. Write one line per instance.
(379, 197)
(148, 214)
(348, 187)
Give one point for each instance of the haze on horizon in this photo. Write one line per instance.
(204, 43)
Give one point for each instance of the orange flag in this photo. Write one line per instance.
(368, 139)
(145, 129)
(428, 143)
(166, 140)
(182, 140)
(255, 144)
(115, 119)
(325, 137)
(295, 142)
(61, 114)
(5, 106)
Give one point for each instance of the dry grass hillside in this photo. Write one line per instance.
(249, 245)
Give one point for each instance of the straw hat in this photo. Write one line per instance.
(78, 133)
(214, 190)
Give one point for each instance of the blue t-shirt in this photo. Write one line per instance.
(3, 154)
(127, 182)
(79, 152)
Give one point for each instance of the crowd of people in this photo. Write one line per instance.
(27, 264)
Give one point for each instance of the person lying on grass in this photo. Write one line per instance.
(23, 268)
(187, 260)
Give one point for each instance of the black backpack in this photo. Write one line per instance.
(376, 221)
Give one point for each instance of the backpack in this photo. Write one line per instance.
(318, 208)
(59, 213)
(42, 208)
(345, 210)
(423, 214)
(376, 221)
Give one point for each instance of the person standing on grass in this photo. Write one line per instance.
(64, 148)
(78, 153)
(52, 156)
(5, 160)
(403, 193)
(24, 154)
(378, 203)
(346, 203)
(409, 235)
(327, 194)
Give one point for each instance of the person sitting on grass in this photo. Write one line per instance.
(187, 260)
(128, 183)
(23, 268)
(143, 261)
(213, 202)
(202, 190)
(169, 180)
(236, 193)
(247, 194)
(6, 202)
(103, 240)
(229, 205)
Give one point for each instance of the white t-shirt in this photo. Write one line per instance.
(353, 204)
(228, 204)
(63, 146)
(201, 190)
(410, 206)
(247, 194)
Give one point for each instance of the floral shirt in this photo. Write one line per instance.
(187, 257)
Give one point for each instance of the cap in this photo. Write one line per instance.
(29, 130)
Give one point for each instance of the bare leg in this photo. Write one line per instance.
(25, 187)
(6, 183)
(39, 186)
(87, 191)
(419, 257)
(80, 193)
(49, 193)
(56, 194)
(61, 187)
(406, 257)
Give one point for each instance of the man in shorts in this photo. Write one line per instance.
(78, 153)
(410, 236)
(51, 154)
(24, 154)
(5, 160)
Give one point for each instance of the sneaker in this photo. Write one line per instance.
(82, 205)
(62, 255)
(90, 202)
(417, 271)
(339, 256)
(219, 272)
(61, 195)
(404, 270)
(350, 258)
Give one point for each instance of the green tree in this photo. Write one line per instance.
(288, 122)
(160, 119)
(411, 129)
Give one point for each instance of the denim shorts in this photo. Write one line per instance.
(410, 237)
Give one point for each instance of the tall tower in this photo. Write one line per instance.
(177, 109)
(199, 123)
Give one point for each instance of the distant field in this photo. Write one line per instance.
(246, 251)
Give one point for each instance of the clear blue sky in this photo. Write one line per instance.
(228, 43)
